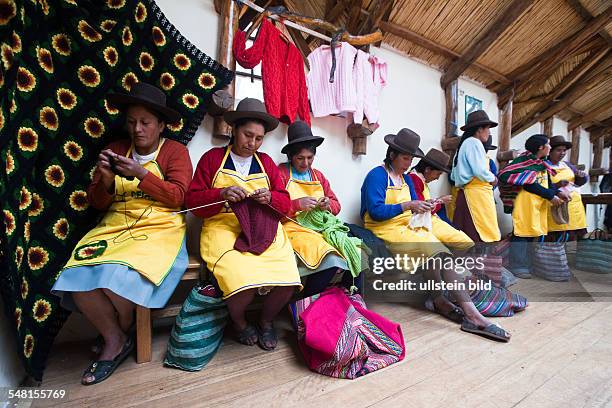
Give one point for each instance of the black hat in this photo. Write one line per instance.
(559, 141)
(300, 132)
(405, 141)
(533, 143)
(489, 144)
(251, 108)
(147, 95)
(477, 119)
(437, 159)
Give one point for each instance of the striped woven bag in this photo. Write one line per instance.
(197, 332)
(550, 261)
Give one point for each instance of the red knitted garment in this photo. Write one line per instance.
(259, 225)
(282, 71)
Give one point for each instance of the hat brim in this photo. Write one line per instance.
(122, 100)
(566, 144)
(317, 140)
(390, 140)
(492, 147)
(489, 123)
(270, 122)
(436, 165)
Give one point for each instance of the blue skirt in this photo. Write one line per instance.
(121, 280)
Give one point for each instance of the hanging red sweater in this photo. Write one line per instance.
(282, 71)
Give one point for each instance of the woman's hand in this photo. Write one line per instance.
(262, 196)
(234, 194)
(446, 199)
(564, 195)
(494, 182)
(127, 167)
(417, 207)
(104, 166)
(323, 203)
(307, 203)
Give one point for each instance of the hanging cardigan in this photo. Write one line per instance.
(282, 71)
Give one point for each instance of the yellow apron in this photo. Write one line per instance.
(237, 271)
(577, 216)
(307, 244)
(481, 204)
(396, 232)
(136, 231)
(529, 215)
(445, 232)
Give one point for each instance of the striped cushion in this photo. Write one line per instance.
(197, 332)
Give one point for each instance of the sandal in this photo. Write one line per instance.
(492, 331)
(243, 336)
(267, 335)
(102, 369)
(456, 314)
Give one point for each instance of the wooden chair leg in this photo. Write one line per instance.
(143, 334)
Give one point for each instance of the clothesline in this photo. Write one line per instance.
(286, 22)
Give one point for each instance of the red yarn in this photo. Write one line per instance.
(282, 70)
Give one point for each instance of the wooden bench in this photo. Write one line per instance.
(145, 316)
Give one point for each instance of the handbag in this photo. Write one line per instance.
(594, 252)
(550, 261)
(339, 337)
(560, 213)
(497, 301)
(198, 330)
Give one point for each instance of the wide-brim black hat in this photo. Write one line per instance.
(251, 108)
(148, 96)
(489, 144)
(437, 159)
(299, 132)
(559, 141)
(478, 119)
(405, 141)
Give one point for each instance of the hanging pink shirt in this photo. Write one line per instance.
(370, 76)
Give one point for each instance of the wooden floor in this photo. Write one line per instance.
(560, 355)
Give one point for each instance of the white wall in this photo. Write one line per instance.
(11, 370)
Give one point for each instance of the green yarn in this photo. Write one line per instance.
(334, 233)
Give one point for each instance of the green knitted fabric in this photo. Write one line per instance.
(334, 233)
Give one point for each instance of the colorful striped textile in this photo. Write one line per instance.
(521, 171)
(197, 332)
(339, 337)
(498, 302)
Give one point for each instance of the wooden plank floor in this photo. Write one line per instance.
(560, 355)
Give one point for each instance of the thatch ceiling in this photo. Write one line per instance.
(552, 56)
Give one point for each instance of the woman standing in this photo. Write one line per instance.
(475, 212)
(137, 253)
(225, 177)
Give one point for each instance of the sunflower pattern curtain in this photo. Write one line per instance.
(58, 61)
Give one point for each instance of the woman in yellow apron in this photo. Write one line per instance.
(429, 169)
(388, 202)
(474, 209)
(319, 262)
(232, 174)
(570, 179)
(530, 208)
(137, 253)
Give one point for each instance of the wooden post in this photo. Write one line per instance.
(505, 133)
(575, 153)
(548, 125)
(450, 121)
(143, 334)
(226, 57)
(598, 146)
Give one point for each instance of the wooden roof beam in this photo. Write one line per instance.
(484, 41)
(576, 91)
(587, 17)
(430, 45)
(591, 115)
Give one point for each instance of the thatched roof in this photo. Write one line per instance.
(551, 56)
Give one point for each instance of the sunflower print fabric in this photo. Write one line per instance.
(58, 60)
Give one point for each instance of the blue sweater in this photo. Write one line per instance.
(373, 193)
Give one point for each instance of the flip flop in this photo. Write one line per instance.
(492, 331)
(102, 369)
(456, 315)
(267, 335)
(243, 336)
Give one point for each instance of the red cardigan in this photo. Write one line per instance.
(282, 71)
(334, 204)
(201, 192)
(175, 164)
(419, 186)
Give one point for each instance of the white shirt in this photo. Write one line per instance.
(241, 164)
(147, 157)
